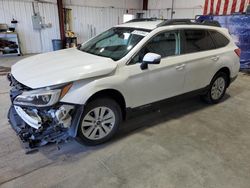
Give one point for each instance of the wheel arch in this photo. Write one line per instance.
(113, 94)
(225, 70)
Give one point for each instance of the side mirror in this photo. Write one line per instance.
(150, 58)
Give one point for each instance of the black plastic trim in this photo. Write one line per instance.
(233, 79)
(189, 22)
(131, 112)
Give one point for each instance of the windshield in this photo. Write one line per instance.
(114, 43)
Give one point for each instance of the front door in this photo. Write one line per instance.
(159, 81)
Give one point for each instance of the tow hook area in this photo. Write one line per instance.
(37, 127)
(62, 115)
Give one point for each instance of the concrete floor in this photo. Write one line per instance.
(183, 144)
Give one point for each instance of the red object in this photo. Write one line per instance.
(224, 7)
(218, 7)
(205, 7)
(211, 7)
(237, 51)
(242, 3)
(233, 6)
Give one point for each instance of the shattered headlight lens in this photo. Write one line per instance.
(41, 97)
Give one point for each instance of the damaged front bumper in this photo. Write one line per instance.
(37, 127)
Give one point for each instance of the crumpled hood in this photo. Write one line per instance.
(60, 67)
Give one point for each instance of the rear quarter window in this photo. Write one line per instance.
(197, 40)
(219, 39)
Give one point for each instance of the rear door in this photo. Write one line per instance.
(199, 56)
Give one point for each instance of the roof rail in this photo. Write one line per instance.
(189, 22)
(174, 22)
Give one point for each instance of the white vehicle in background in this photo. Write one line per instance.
(87, 91)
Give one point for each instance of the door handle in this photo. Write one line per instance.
(180, 67)
(215, 58)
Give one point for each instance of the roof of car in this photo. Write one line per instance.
(150, 25)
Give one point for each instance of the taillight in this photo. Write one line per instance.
(237, 51)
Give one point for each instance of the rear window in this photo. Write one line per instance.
(220, 39)
(197, 40)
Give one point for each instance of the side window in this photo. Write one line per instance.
(165, 44)
(219, 39)
(197, 40)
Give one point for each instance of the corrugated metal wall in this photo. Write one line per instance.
(87, 21)
(182, 8)
(157, 13)
(31, 41)
(90, 21)
(129, 4)
(50, 15)
(179, 13)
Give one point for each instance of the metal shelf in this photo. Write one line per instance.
(13, 37)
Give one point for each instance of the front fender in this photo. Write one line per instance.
(82, 90)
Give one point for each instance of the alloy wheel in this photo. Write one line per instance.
(218, 88)
(98, 123)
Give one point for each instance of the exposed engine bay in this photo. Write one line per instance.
(39, 126)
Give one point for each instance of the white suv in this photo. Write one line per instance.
(87, 91)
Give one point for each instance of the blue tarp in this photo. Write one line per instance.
(239, 28)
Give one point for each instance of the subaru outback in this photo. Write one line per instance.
(86, 92)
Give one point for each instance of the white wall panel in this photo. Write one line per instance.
(49, 13)
(31, 41)
(90, 21)
(164, 4)
(21, 11)
(187, 13)
(154, 13)
(127, 4)
(159, 4)
(182, 8)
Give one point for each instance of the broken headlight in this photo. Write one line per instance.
(41, 97)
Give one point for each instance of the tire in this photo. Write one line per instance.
(100, 121)
(217, 88)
